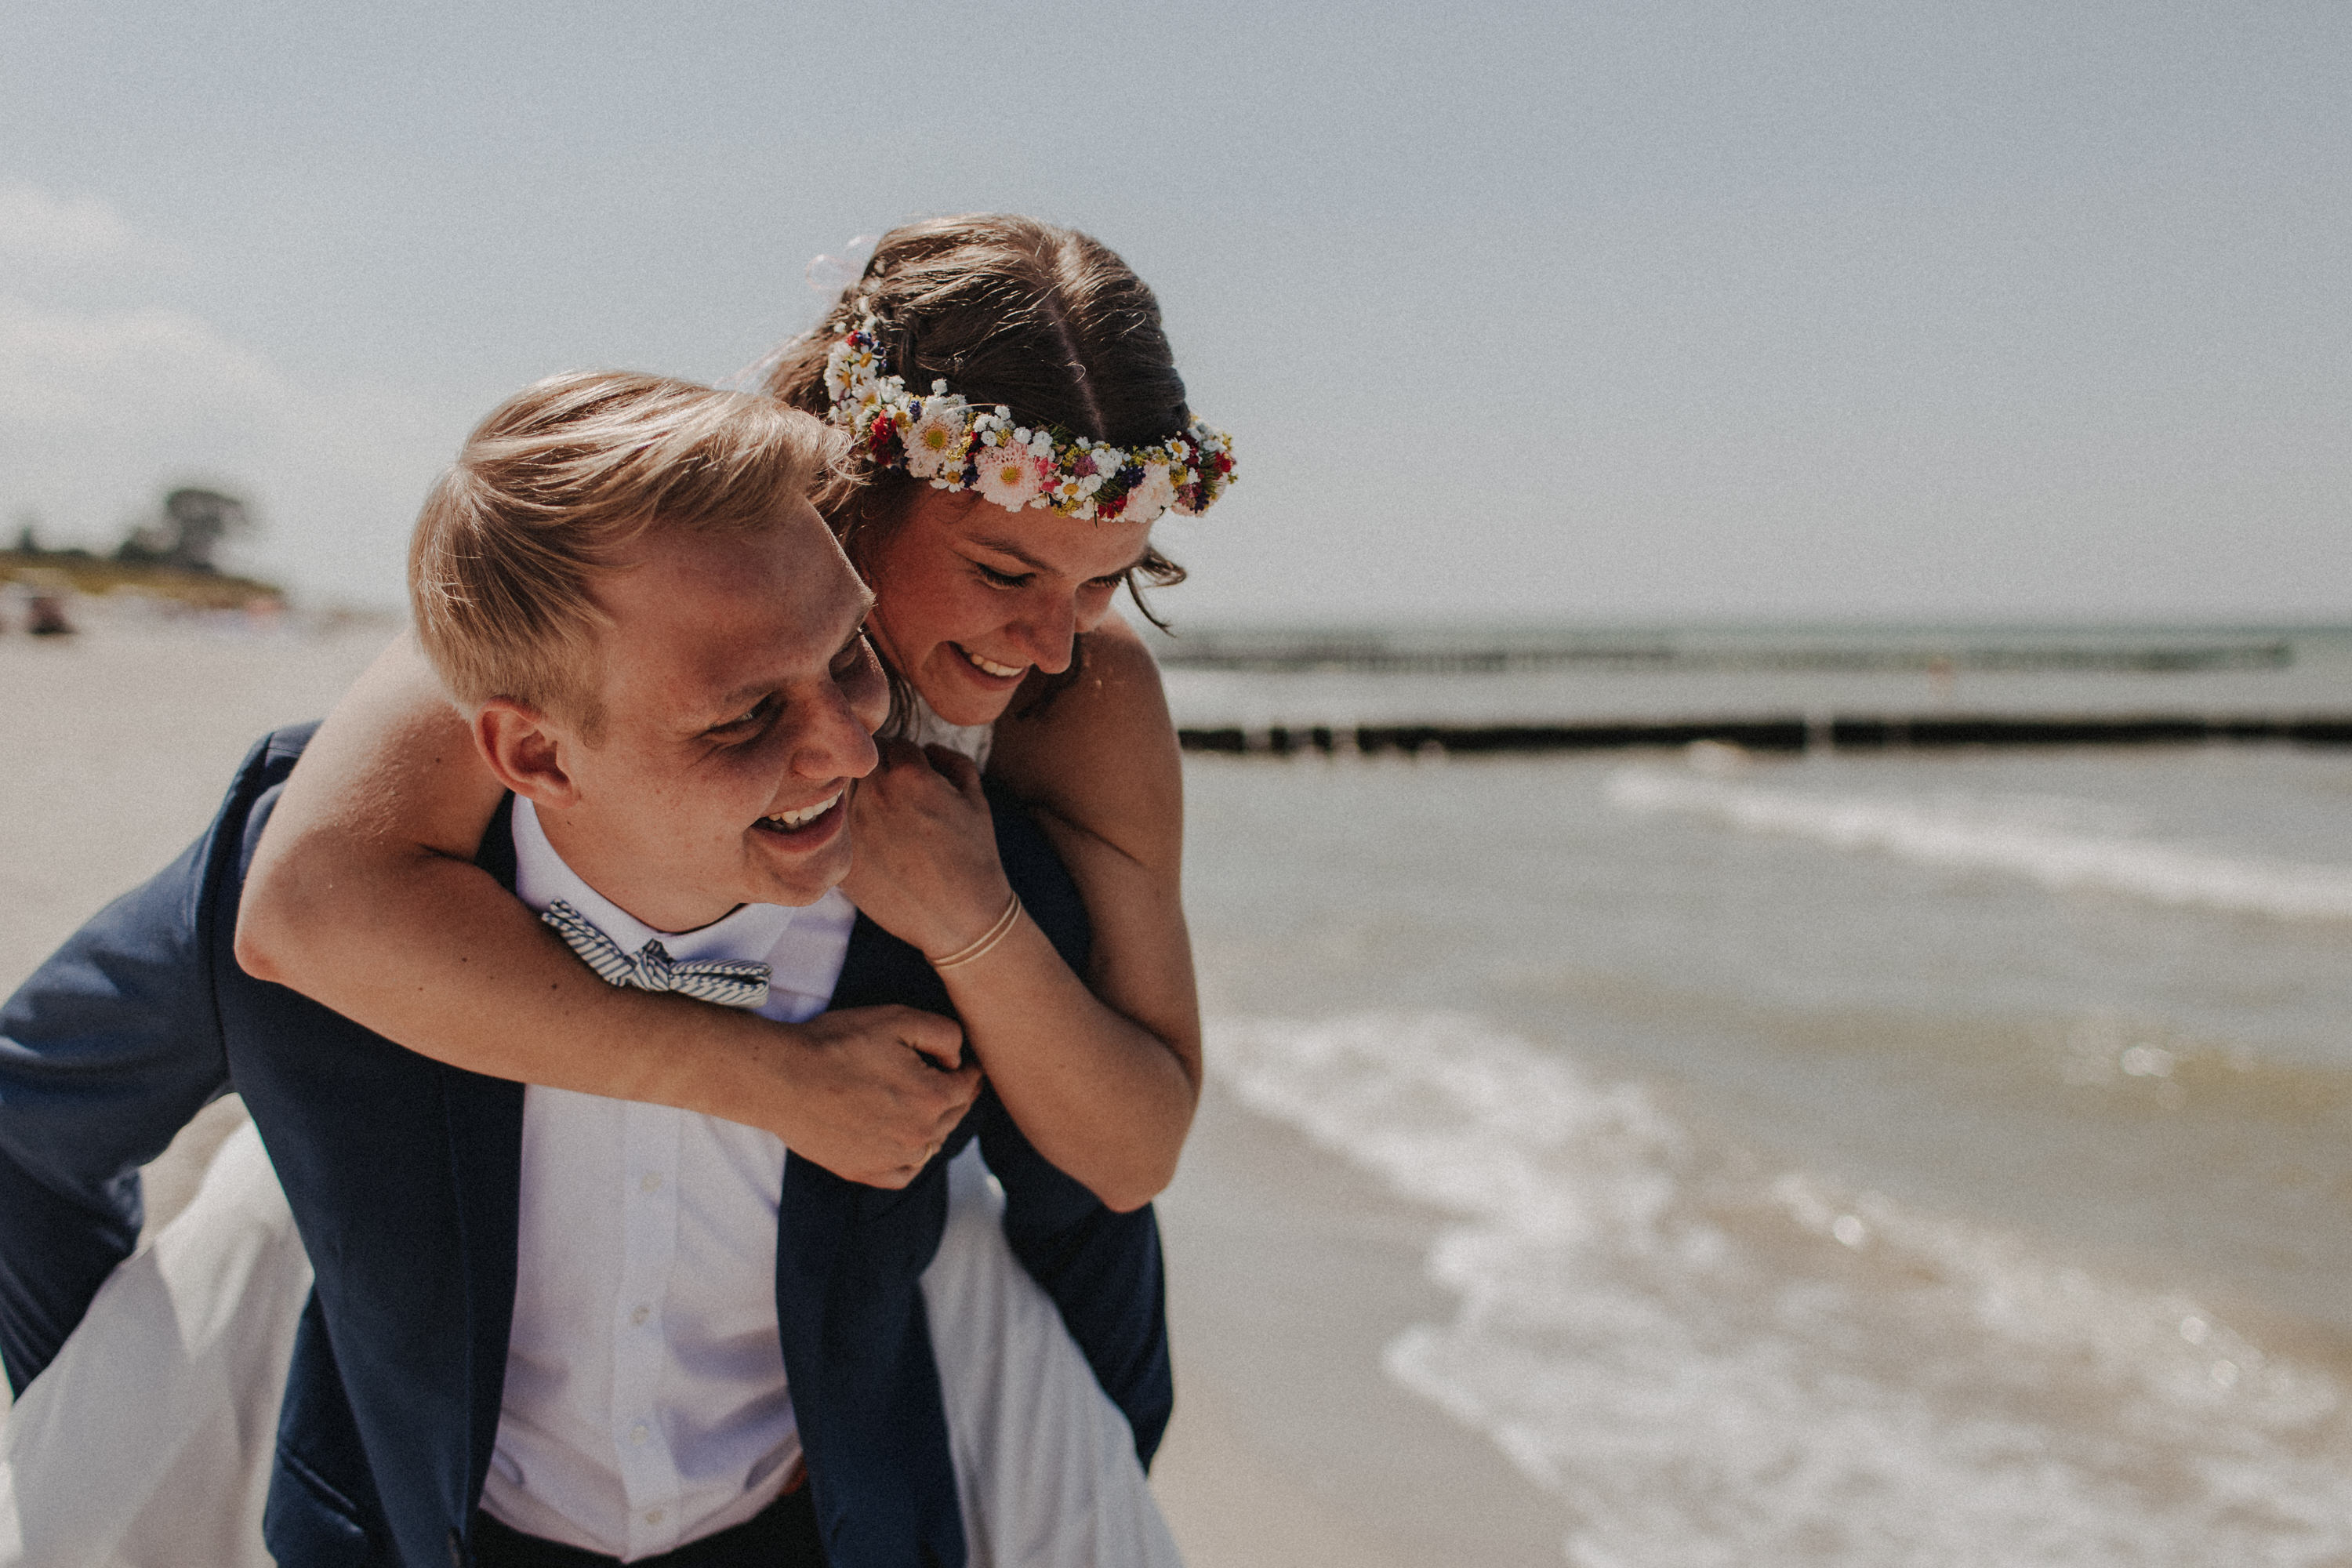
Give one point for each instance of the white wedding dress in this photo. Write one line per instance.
(149, 1442)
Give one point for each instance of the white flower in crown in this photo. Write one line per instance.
(935, 442)
(1010, 474)
(836, 371)
(1152, 496)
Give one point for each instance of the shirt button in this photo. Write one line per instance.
(639, 1314)
(654, 1515)
(639, 1433)
(650, 1182)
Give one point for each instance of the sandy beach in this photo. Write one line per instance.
(1288, 1448)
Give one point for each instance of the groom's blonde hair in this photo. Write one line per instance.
(555, 487)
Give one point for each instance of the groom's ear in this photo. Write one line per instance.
(526, 752)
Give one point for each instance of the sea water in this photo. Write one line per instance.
(1911, 1158)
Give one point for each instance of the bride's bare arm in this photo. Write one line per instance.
(1102, 1070)
(364, 896)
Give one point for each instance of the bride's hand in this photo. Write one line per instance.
(923, 862)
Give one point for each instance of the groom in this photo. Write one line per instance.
(549, 1329)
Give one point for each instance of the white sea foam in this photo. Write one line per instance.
(2018, 837)
(1713, 1364)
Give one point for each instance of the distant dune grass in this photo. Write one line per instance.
(87, 574)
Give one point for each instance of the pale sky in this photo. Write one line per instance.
(1570, 310)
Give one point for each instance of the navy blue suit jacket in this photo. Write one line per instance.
(404, 1177)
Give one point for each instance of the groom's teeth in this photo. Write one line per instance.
(789, 820)
(989, 666)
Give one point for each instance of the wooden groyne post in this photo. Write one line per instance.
(1790, 734)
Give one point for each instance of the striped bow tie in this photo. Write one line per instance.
(730, 983)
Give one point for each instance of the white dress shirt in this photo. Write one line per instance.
(645, 1405)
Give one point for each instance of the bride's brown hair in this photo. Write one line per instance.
(1048, 321)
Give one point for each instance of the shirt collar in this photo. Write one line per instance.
(747, 932)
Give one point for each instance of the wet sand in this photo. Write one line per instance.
(1288, 1274)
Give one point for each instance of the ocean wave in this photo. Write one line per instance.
(2012, 837)
(1711, 1363)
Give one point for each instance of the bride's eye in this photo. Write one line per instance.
(996, 579)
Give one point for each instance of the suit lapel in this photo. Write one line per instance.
(813, 1217)
(485, 1117)
(849, 1312)
(485, 1121)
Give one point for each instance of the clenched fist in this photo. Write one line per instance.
(870, 1093)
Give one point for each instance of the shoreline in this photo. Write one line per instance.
(1290, 1274)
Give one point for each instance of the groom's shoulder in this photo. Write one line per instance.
(189, 908)
(268, 762)
(272, 1032)
(253, 795)
(245, 809)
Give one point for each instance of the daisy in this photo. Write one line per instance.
(935, 443)
(1009, 476)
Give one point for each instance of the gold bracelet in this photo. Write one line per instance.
(989, 938)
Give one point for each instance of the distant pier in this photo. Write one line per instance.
(1285, 654)
(1856, 733)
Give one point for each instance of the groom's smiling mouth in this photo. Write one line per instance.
(807, 820)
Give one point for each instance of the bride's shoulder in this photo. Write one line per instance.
(1101, 750)
(1116, 694)
(1118, 671)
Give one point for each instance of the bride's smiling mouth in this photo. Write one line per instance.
(989, 666)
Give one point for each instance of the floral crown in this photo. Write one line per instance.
(944, 439)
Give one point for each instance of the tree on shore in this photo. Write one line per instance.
(192, 526)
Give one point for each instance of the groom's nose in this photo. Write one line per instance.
(835, 740)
